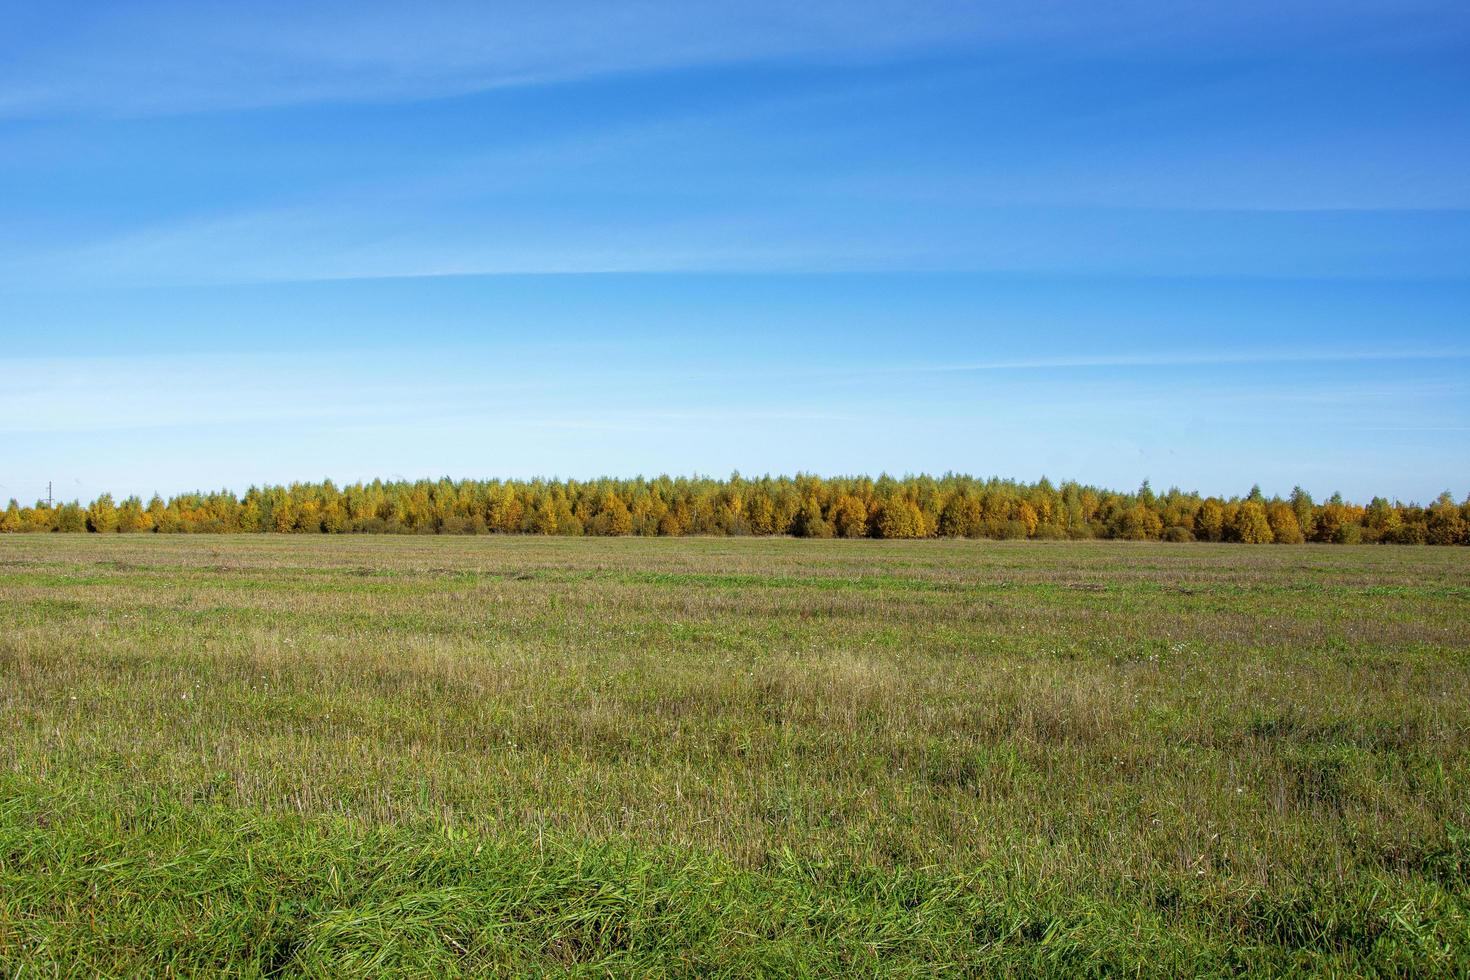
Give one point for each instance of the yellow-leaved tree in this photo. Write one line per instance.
(102, 515)
(1140, 523)
(1250, 525)
(961, 517)
(809, 522)
(1209, 523)
(1446, 523)
(899, 517)
(543, 518)
(1285, 529)
(132, 517)
(849, 517)
(156, 511)
(613, 516)
(283, 516)
(761, 513)
(1028, 517)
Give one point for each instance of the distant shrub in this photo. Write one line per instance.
(459, 524)
(1008, 531)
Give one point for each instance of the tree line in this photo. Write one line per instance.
(803, 506)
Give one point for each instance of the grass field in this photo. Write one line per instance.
(383, 755)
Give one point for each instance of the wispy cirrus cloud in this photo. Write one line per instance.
(169, 56)
(1151, 359)
(957, 165)
(211, 56)
(768, 234)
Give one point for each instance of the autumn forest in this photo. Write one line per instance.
(802, 506)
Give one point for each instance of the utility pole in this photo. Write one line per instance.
(49, 504)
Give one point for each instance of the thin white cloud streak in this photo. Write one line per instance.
(611, 420)
(43, 372)
(499, 213)
(410, 391)
(787, 235)
(1201, 359)
(203, 56)
(148, 58)
(1173, 179)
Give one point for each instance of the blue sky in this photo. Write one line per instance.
(1205, 244)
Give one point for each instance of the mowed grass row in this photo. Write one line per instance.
(690, 756)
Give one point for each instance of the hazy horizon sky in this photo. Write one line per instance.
(1201, 244)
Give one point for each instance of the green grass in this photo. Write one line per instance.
(402, 756)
